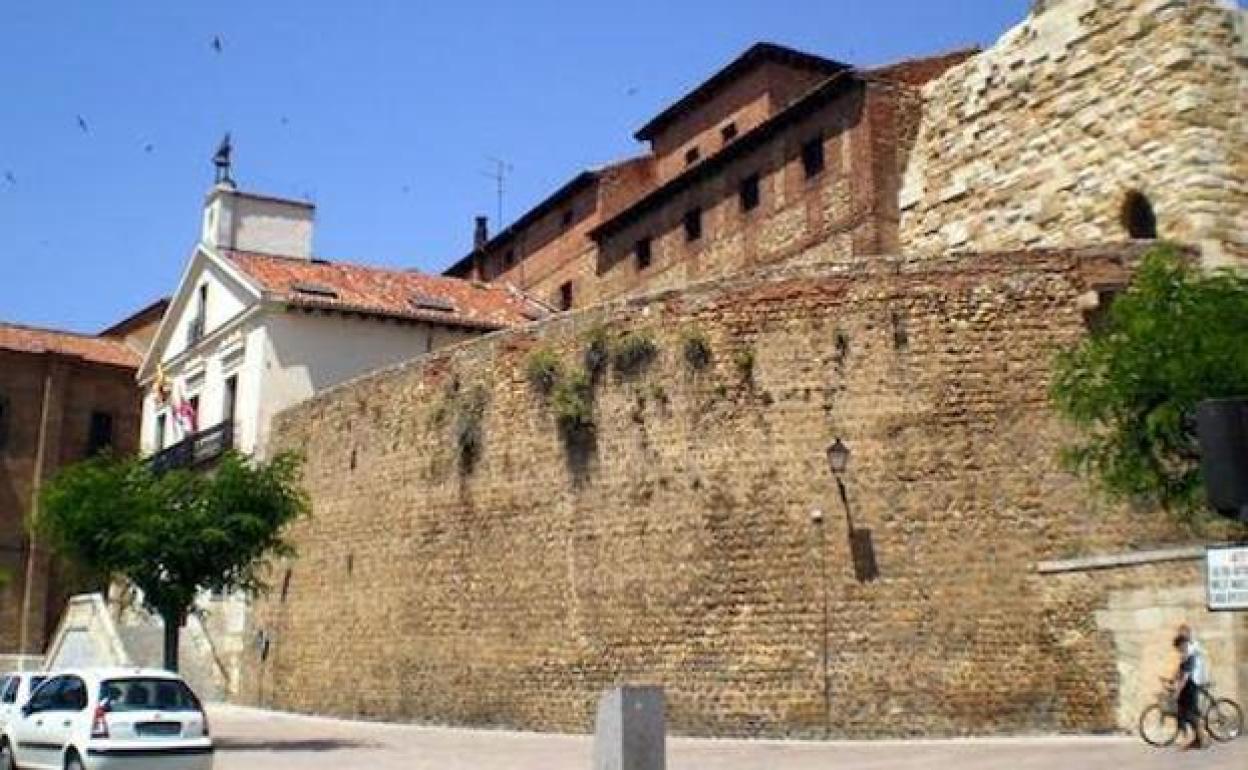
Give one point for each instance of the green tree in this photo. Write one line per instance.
(174, 534)
(1176, 337)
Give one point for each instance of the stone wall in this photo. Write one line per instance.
(466, 562)
(1037, 141)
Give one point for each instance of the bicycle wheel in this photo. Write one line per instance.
(1158, 727)
(1224, 720)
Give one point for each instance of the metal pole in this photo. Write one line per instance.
(827, 680)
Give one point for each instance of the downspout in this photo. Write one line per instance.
(36, 482)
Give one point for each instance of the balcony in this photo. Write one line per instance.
(196, 450)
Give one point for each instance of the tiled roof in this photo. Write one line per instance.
(385, 292)
(100, 350)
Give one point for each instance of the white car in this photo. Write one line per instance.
(15, 689)
(109, 719)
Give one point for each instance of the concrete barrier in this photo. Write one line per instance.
(630, 732)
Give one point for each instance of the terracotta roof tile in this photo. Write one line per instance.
(385, 292)
(100, 350)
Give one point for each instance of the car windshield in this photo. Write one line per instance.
(35, 681)
(147, 694)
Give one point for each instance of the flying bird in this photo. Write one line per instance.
(406, 189)
(632, 91)
(285, 120)
(82, 124)
(10, 178)
(217, 43)
(148, 147)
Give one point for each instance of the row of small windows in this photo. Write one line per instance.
(726, 134)
(99, 429)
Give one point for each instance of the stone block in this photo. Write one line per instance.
(630, 732)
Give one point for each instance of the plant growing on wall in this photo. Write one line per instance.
(597, 351)
(468, 407)
(743, 360)
(573, 404)
(632, 353)
(177, 534)
(697, 350)
(542, 369)
(1175, 338)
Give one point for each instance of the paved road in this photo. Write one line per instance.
(258, 740)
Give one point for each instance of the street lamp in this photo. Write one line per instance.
(838, 457)
(861, 547)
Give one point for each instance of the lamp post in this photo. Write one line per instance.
(838, 461)
(816, 518)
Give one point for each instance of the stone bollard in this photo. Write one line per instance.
(630, 732)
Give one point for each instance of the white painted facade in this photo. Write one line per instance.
(276, 357)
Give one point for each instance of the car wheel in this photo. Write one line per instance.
(73, 763)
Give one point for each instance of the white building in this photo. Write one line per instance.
(258, 324)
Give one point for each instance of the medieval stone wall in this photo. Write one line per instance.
(468, 562)
(1037, 141)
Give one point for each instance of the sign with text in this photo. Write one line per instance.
(1226, 577)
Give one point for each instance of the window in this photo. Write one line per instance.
(693, 224)
(145, 694)
(4, 421)
(72, 696)
(159, 439)
(565, 296)
(194, 401)
(644, 256)
(229, 400)
(196, 330)
(509, 258)
(692, 155)
(44, 697)
(812, 157)
(728, 132)
(10, 689)
(1138, 216)
(566, 219)
(100, 433)
(749, 193)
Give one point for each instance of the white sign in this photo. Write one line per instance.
(1226, 577)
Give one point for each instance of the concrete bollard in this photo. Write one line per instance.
(631, 730)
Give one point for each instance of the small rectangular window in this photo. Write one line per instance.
(728, 132)
(643, 253)
(566, 219)
(159, 438)
(693, 224)
(692, 155)
(100, 433)
(4, 421)
(229, 400)
(749, 193)
(812, 157)
(565, 296)
(509, 258)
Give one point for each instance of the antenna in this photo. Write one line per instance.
(499, 174)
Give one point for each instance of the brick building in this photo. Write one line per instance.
(63, 397)
(777, 152)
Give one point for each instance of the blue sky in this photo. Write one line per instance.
(385, 113)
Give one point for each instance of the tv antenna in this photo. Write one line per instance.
(499, 173)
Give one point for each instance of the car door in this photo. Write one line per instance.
(33, 744)
(68, 710)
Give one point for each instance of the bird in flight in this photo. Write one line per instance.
(10, 178)
(632, 91)
(148, 147)
(217, 43)
(82, 124)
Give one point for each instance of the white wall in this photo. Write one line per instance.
(226, 299)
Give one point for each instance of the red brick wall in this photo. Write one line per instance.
(77, 389)
(850, 209)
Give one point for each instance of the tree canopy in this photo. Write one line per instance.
(1176, 337)
(177, 533)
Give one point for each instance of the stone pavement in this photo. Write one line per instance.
(249, 739)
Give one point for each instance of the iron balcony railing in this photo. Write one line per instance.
(196, 450)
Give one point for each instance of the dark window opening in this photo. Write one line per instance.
(160, 431)
(1138, 216)
(644, 256)
(567, 217)
(728, 132)
(4, 422)
(693, 224)
(194, 421)
(100, 433)
(565, 296)
(812, 157)
(229, 401)
(509, 258)
(749, 193)
(692, 155)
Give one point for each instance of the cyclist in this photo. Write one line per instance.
(1188, 680)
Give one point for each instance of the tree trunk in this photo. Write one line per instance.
(173, 628)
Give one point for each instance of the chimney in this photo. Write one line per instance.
(244, 221)
(480, 237)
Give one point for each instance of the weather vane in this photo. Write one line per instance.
(222, 161)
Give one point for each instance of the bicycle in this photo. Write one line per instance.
(1159, 722)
